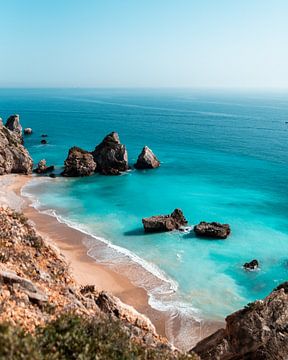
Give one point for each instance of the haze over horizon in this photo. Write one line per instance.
(160, 43)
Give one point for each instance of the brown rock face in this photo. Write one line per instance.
(13, 124)
(213, 230)
(161, 223)
(28, 131)
(79, 163)
(14, 158)
(111, 156)
(257, 332)
(147, 160)
(42, 167)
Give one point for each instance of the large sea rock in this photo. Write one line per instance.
(13, 124)
(14, 158)
(212, 230)
(257, 332)
(147, 159)
(111, 156)
(79, 163)
(161, 223)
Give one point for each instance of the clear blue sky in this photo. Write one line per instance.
(148, 43)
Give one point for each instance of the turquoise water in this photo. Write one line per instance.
(224, 158)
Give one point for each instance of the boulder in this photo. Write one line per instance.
(28, 131)
(79, 163)
(53, 176)
(13, 124)
(42, 167)
(147, 159)
(257, 332)
(161, 223)
(43, 142)
(213, 230)
(44, 135)
(111, 156)
(252, 265)
(14, 158)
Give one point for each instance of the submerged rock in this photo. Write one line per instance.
(257, 332)
(28, 131)
(252, 265)
(79, 163)
(14, 158)
(212, 230)
(13, 124)
(147, 159)
(161, 223)
(43, 142)
(111, 156)
(42, 167)
(44, 135)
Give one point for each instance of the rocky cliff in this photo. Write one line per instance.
(14, 158)
(257, 332)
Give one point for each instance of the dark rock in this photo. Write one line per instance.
(42, 167)
(28, 131)
(252, 265)
(257, 332)
(213, 230)
(13, 124)
(111, 156)
(283, 286)
(43, 141)
(14, 158)
(53, 176)
(44, 135)
(147, 159)
(79, 163)
(160, 223)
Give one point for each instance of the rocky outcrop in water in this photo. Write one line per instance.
(257, 332)
(28, 131)
(79, 163)
(213, 230)
(42, 167)
(13, 124)
(111, 156)
(14, 158)
(252, 265)
(147, 159)
(161, 223)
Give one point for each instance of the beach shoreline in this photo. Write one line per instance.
(70, 242)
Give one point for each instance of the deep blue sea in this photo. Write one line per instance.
(224, 157)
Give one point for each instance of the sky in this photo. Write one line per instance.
(148, 43)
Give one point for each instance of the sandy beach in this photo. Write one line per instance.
(85, 269)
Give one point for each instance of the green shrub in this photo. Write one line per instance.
(72, 337)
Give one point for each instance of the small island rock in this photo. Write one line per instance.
(42, 167)
(28, 131)
(147, 159)
(161, 223)
(43, 142)
(252, 265)
(111, 156)
(79, 163)
(213, 230)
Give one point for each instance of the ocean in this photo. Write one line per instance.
(223, 158)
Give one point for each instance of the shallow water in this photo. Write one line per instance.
(224, 158)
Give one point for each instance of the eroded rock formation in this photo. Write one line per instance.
(252, 265)
(79, 163)
(213, 230)
(147, 159)
(42, 167)
(14, 158)
(111, 156)
(13, 124)
(161, 223)
(257, 332)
